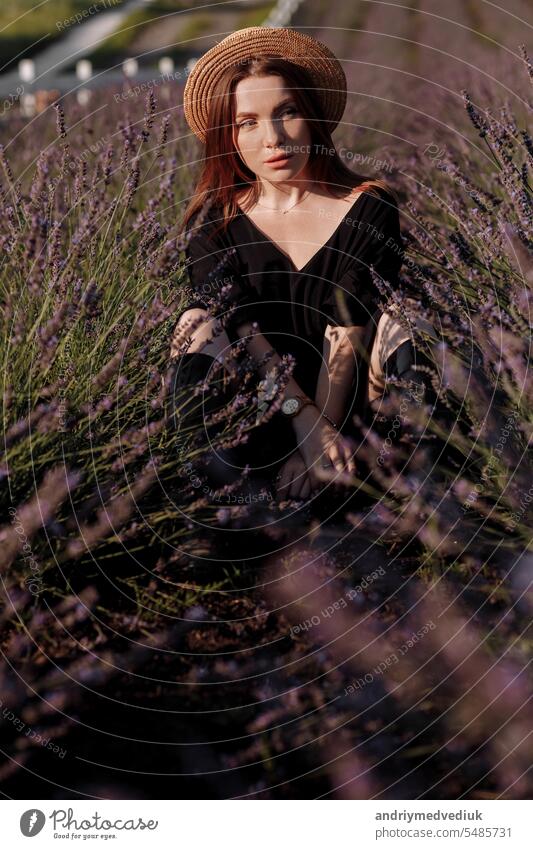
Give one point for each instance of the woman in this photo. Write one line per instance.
(305, 230)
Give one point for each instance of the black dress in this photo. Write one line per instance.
(294, 306)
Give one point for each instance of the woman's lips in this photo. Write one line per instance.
(279, 163)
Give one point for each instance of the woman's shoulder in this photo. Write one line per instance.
(205, 228)
(373, 222)
(370, 203)
(206, 218)
(379, 208)
(380, 192)
(208, 246)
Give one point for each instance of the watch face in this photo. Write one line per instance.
(290, 406)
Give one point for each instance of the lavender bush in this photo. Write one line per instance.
(470, 278)
(92, 284)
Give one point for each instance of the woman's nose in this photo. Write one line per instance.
(273, 132)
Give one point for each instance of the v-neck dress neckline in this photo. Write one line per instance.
(282, 253)
(244, 275)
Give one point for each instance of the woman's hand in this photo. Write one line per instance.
(326, 452)
(292, 480)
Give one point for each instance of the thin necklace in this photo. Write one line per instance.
(283, 211)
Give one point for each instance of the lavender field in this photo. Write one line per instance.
(159, 641)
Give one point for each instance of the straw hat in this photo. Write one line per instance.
(299, 48)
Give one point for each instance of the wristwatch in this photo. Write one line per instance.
(294, 405)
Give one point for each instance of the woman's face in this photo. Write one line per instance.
(267, 123)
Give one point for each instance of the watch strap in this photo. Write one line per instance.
(304, 401)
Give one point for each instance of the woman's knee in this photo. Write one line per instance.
(201, 332)
(392, 344)
(196, 322)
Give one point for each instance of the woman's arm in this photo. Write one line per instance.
(258, 346)
(352, 300)
(318, 441)
(341, 353)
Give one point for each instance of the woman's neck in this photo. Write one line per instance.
(279, 195)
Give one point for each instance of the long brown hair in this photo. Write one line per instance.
(224, 174)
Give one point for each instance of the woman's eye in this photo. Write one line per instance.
(249, 121)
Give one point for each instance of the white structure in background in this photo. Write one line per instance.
(83, 96)
(27, 70)
(281, 14)
(166, 66)
(84, 69)
(130, 67)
